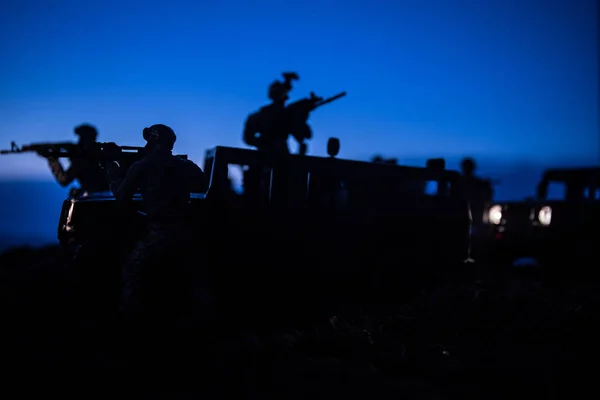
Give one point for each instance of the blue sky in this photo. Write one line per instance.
(501, 80)
(513, 83)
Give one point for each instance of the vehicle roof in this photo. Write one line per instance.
(240, 156)
(572, 173)
(234, 155)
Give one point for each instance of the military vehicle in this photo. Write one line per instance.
(553, 227)
(305, 226)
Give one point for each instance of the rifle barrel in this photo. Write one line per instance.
(330, 99)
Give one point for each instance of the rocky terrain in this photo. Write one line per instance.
(509, 334)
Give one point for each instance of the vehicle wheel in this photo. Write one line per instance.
(583, 254)
(98, 278)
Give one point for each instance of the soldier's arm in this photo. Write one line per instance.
(197, 178)
(63, 177)
(250, 130)
(123, 185)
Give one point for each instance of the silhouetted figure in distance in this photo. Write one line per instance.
(378, 159)
(87, 171)
(165, 182)
(476, 190)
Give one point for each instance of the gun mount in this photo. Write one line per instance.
(333, 147)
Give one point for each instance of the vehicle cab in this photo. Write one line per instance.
(562, 219)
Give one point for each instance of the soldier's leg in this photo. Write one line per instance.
(131, 302)
(129, 314)
(146, 252)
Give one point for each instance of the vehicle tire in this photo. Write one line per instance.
(98, 278)
(581, 260)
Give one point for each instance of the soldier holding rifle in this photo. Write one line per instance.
(87, 171)
(83, 156)
(269, 128)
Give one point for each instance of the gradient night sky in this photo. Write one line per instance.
(506, 81)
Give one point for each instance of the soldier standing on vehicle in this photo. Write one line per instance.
(268, 129)
(165, 182)
(86, 170)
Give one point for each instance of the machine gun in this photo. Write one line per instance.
(298, 113)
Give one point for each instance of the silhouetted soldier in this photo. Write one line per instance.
(86, 170)
(269, 129)
(165, 182)
(476, 190)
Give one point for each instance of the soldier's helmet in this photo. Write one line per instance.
(278, 91)
(468, 165)
(86, 131)
(160, 133)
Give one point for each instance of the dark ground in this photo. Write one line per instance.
(493, 338)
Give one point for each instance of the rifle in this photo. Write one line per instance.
(298, 113)
(43, 149)
(99, 151)
(300, 110)
(71, 150)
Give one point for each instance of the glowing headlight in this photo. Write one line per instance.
(545, 215)
(495, 215)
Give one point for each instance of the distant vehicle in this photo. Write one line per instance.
(560, 224)
(304, 226)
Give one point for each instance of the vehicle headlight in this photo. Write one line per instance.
(545, 215)
(495, 214)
